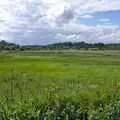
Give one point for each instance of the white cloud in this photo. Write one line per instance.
(105, 20)
(47, 21)
(87, 16)
(98, 33)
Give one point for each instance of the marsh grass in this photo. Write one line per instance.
(59, 85)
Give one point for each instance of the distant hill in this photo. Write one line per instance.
(59, 46)
(8, 46)
(76, 45)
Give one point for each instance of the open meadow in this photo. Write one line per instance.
(60, 85)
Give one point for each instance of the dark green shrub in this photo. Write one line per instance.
(113, 111)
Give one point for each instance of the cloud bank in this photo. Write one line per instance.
(49, 21)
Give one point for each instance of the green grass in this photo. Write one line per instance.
(83, 78)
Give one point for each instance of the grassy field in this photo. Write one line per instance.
(60, 85)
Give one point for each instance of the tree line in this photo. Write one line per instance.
(59, 46)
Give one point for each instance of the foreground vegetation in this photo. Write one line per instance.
(60, 85)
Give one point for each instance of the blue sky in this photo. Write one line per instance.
(51, 21)
(101, 18)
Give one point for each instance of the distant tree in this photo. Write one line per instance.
(22, 48)
(3, 42)
(58, 46)
(7, 48)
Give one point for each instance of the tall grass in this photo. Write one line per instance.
(59, 86)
